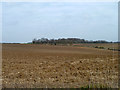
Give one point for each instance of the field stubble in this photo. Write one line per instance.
(44, 66)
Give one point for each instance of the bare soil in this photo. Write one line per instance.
(49, 66)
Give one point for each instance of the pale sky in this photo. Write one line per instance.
(24, 21)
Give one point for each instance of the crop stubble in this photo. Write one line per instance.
(30, 66)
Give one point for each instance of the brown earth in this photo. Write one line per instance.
(28, 65)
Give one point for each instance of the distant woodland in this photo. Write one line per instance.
(65, 41)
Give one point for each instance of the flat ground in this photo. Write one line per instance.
(28, 65)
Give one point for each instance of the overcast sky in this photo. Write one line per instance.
(23, 22)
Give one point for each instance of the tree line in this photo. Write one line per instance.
(65, 41)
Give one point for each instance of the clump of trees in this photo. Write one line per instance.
(64, 41)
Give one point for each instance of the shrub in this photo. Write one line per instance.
(99, 47)
(96, 46)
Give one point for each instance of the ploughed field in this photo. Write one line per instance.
(49, 66)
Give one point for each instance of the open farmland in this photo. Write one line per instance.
(107, 46)
(34, 65)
